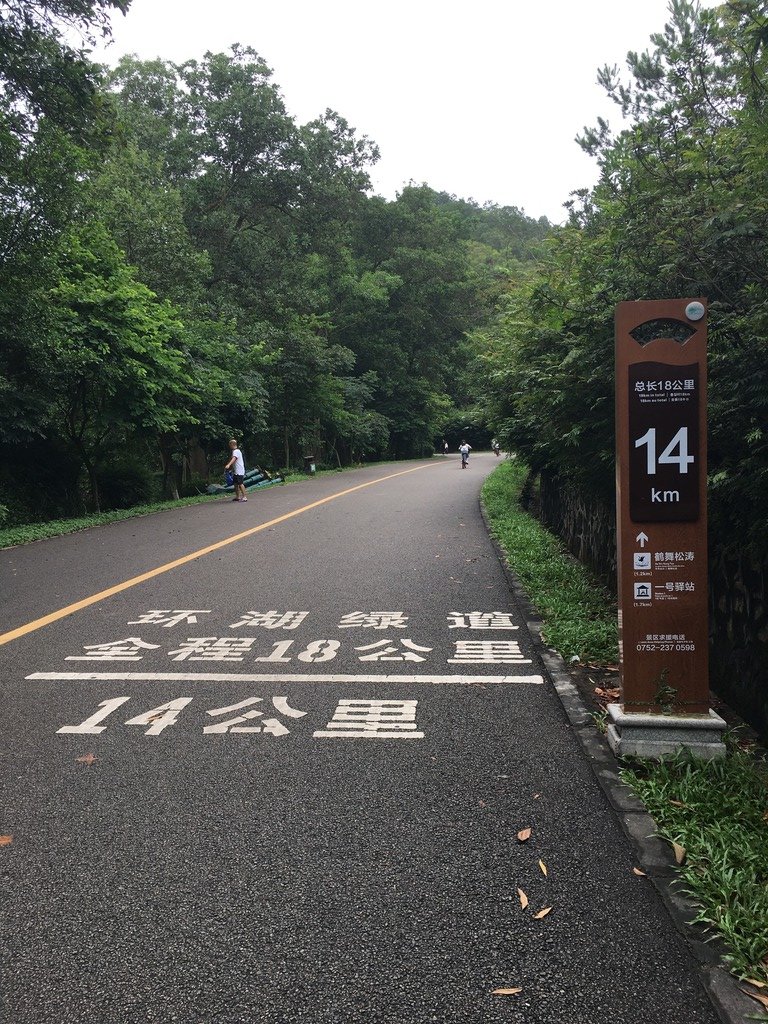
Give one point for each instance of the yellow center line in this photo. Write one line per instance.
(70, 609)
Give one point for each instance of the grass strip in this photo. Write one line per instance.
(578, 613)
(718, 812)
(14, 535)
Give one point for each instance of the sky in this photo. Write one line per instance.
(482, 100)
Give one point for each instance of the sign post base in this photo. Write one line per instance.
(637, 734)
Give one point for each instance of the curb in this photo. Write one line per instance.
(654, 856)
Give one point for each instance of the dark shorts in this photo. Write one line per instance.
(237, 478)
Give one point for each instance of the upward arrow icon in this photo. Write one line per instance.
(642, 539)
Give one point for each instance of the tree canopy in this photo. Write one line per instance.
(680, 210)
(181, 261)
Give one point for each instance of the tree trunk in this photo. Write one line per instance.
(169, 476)
(94, 486)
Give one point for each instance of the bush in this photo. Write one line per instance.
(197, 485)
(126, 483)
(38, 482)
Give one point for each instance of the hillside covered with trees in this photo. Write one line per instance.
(180, 262)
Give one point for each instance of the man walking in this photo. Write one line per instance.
(237, 465)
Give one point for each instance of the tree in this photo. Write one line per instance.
(53, 119)
(679, 209)
(407, 315)
(144, 213)
(110, 362)
(270, 204)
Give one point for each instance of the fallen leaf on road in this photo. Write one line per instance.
(523, 898)
(637, 871)
(543, 867)
(542, 913)
(679, 852)
(506, 991)
(757, 984)
(677, 803)
(482, 803)
(536, 796)
(87, 759)
(524, 835)
(6, 840)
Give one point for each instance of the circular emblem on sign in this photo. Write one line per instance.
(695, 310)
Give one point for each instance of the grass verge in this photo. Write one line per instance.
(579, 615)
(14, 535)
(716, 811)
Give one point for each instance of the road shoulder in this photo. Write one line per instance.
(654, 856)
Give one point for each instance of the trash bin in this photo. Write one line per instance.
(309, 464)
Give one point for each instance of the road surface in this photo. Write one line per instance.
(268, 762)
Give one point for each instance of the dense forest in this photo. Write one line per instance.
(681, 209)
(181, 262)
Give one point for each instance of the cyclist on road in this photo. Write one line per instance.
(465, 449)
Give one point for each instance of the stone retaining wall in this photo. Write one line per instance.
(585, 525)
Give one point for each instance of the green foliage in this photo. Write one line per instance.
(180, 261)
(144, 213)
(716, 810)
(112, 353)
(53, 120)
(125, 483)
(680, 209)
(407, 316)
(579, 617)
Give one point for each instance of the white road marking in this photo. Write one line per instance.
(287, 678)
(366, 735)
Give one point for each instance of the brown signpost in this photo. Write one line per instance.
(661, 487)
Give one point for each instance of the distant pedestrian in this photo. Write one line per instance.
(465, 449)
(445, 447)
(237, 465)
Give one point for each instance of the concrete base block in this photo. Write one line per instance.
(637, 734)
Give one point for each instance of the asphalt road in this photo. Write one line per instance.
(282, 781)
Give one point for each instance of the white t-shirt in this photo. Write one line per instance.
(239, 467)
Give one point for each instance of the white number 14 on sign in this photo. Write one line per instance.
(679, 441)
